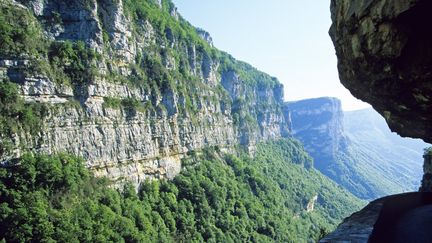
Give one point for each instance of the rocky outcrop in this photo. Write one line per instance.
(71, 20)
(358, 227)
(385, 57)
(205, 36)
(311, 204)
(426, 184)
(258, 101)
(153, 98)
(102, 25)
(396, 218)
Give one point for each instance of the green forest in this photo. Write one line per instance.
(267, 196)
(216, 198)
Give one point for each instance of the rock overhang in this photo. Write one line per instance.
(385, 58)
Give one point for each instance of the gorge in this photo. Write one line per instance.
(120, 121)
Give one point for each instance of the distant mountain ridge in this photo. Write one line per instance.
(371, 135)
(356, 149)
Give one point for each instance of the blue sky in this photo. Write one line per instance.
(287, 39)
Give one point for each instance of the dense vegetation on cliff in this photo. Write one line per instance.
(127, 85)
(221, 198)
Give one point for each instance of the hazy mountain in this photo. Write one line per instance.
(356, 149)
(371, 139)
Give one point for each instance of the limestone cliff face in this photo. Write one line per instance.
(318, 123)
(134, 119)
(385, 57)
(269, 120)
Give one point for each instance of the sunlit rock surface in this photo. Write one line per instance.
(198, 105)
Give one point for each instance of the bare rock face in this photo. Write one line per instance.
(153, 99)
(426, 185)
(205, 36)
(359, 226)
(385, 58)
(319, 118)
(397, 218)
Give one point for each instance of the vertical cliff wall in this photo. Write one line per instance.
(129, 85)
(318, 123)
(356, 149)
